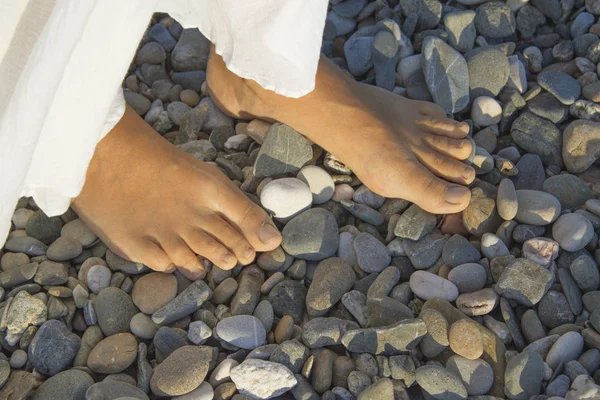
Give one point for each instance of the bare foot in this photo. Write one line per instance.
(151, 202)
(398, 147)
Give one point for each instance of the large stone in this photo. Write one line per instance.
(66, 385)
(570, 191)
(524, 374)
(113, 354)
(390, 340)
(283, 151)
(262, 379)
(191, 51)
(332, 279)
(524, 281)
(440, 383)
(581, 145)
(315, 244)
(537, 208)
(538, 136)
(53, 348)
(446, 74)
(488, 72)
(181, 372)
(114, 310)
(495, 20)
(244, 331)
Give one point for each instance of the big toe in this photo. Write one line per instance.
(434, 194)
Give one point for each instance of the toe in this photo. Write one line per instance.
(446, 167)
(459, 149)
(252, 221)
(434, 194)
(444, 127)
(207, 246)
(154, 257)
(431, 109)
(229, 236)
(184, 258)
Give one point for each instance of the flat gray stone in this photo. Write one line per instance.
(315, 244)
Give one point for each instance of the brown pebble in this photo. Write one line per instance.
(342, 366)
(113, 354)
(453, 225)
(284, 329)
(257, 129)
(322, 373)
(225, 291)
(154, 291)
(271, 337)
(189, 97)
(465, 339)
(595, 29)
(444, 271)
(60, 291)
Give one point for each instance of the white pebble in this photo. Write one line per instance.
(486, 111)
(319, 181)
(286, 197)
(428, 286)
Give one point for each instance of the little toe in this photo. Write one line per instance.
(183, 257)
(446, 167)
(154, 257)
(434, 194)
(459, 149)
(207, 246)
(229, 236)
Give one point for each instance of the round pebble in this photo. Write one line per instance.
(465, 339)
(319, 182)
(153, 291)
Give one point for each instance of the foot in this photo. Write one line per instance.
(151, 202)
(398, 147)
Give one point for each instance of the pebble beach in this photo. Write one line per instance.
(367, 298)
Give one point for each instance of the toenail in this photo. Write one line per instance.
(456, 194)
(467, 173)
(249, 252)
(267, 233)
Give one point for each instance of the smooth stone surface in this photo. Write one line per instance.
(476, 375)
(537, 208)
(319, 182)
(461, 29)
(244, 331)
(572, 231)
(488, 72)
(538, 136)
(181, 372)
(262, 379)
(113, 354)
(570, 191)
(564, 87)
(486, 111)
(53, 348)
(332, 279)
(585, 272)
(184, 304)
(457, 250)
(317, 244)
(114, 310)
(495, 20)
(465, 339)
(283, 151)
(415, 223)
(66, 385)
(320, 332)
(427, 285)
(568, 347)
(581, 147)
(371, 254)
(506, 200)
(446, 74)
(390, 340)
(524, 373)
(440, 383)
(286, 197)
(468, 278)
(115, 390)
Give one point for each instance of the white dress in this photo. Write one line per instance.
(62, 63)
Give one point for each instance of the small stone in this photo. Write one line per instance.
(537, 208)
(524, 281)
(538, 136)
(427, 285)
(460, 27)
(564, 87)
(142, 326)
(320, 332)
(66, 385)
(318, 243)
(371, 254)
(286, 197)
(319, 182)
(51, 273)
(357, 50)
(572, 231)
(291, 354)
(191, 51)
(262, 379)
(113, 354)
(476, 375)
(481, 215)
(585, 272)
(415, 223)
(524, 374)
(554, 310)
(363, 212)
(568, 347)
(458, 250)
(507, 200)
(495, 20)
(364, 195)
(53, 348)
(486, 111)
(425, 252)
(492, 246)
(63, 249)
(579, 145)
(465, 339)
(333, 277)
(245, 331)
(440, 383)
(401, 336)
(541, 250)
(184, 304)
(489, 71)
(79, 231)
(481, 302)
(446, 74)
(98, 278)
(182, 371)
(284, 150)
